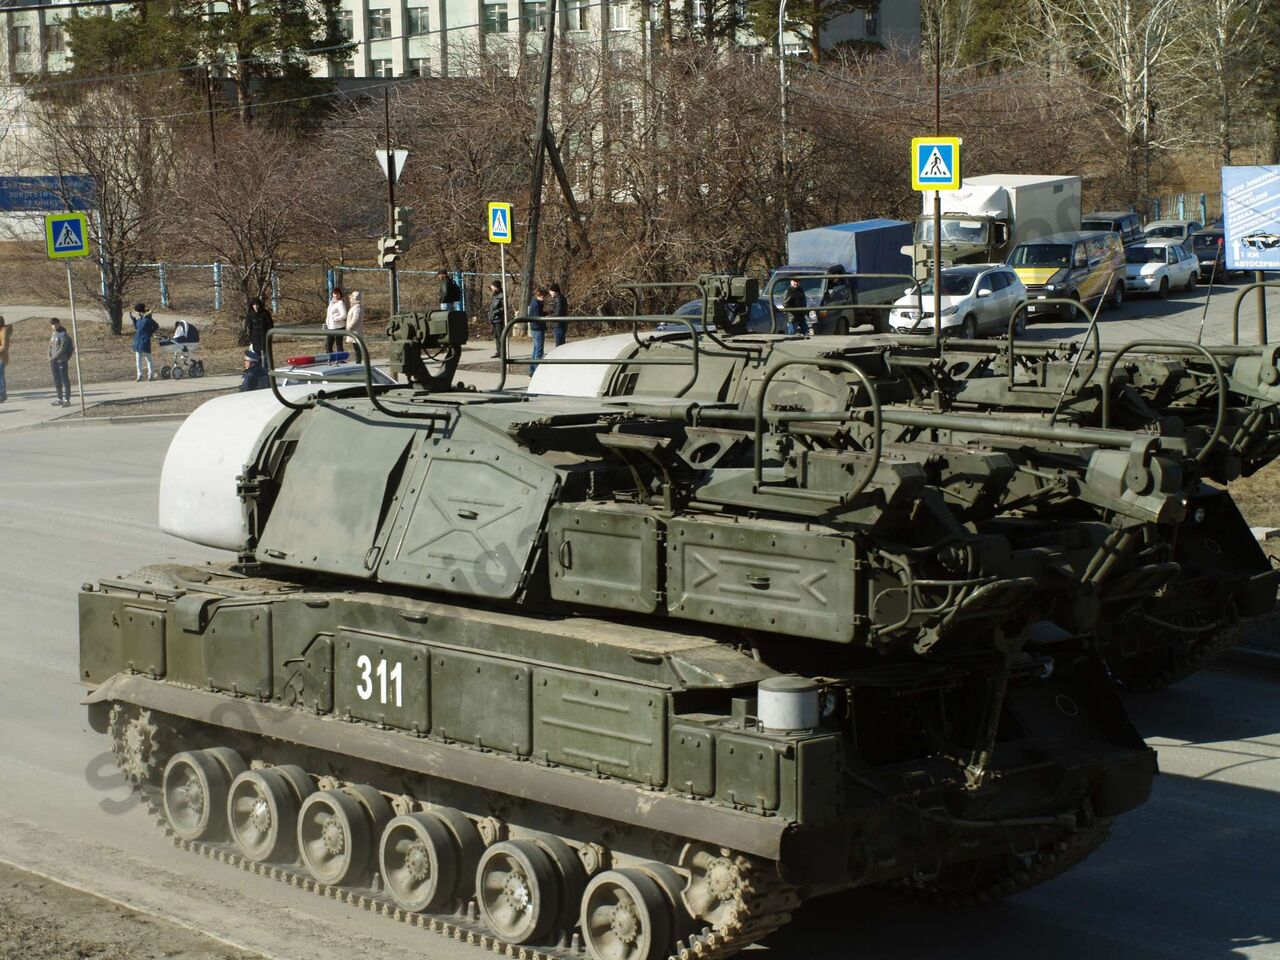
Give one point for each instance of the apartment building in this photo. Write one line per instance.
(403, 38)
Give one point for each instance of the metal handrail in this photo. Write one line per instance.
(508, 361)
(1262, 317)
(371, 389)
(1156, 344)
(635, 287)
(1093, 326)
(821, 364)
(788, 277)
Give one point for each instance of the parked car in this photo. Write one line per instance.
(1126, 223)
(1158, 266)
(1084, 266)
(976, 299)
(1210, 250)
(1180, 231)
(757, 317)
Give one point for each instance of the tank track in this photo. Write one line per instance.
(762, 904)
(1011, 875)
(1185, 659)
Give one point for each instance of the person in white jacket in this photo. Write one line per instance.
(355, 322)
(335, 320)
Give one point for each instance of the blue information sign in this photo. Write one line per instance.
(46, 194)
(1251, 217)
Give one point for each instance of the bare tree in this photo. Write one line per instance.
(117, 135)
(1228, 47)
(265, 193)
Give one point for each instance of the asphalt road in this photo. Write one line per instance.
(1194, 873)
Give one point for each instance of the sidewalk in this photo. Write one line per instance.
(31, 408)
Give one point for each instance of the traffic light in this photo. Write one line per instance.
(389, 251)
(403, 230)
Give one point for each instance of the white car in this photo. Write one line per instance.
(1158, 266)
(976, 299)
(1179, 231)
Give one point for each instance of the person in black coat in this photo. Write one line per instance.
(795, 297)
(257, 321)
(450, 295)
(559, 308)
(497, 314)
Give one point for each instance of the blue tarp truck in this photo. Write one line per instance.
(860, 248)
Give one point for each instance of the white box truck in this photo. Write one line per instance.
(991, 214)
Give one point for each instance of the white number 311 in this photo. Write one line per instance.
(364, 689)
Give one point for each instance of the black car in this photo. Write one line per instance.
(1124, 222)
(1209, 247)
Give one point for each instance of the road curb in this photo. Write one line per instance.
(75, 421)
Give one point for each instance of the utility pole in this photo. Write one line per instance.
(208, 96)
(391, 196)
(782, 95)
(539, 161)
(937, 194)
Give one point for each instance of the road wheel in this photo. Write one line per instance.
(626, 917)
(1117, 295)
(969, 329)
(1076, 313)
(195, 796)
(518, 891)
(1020, 324)
(1163, 293)
(1192, 279)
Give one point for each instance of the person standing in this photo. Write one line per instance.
(144, 328)
(335, 320)
(60, 350)
(355, 323)
(497, 314)
(257, 322)
(4, 359)
(559, 308)
(537, 328)
(450, 294)
(793, 299)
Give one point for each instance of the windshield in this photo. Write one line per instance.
(1207, 241)
(1041, 255)
(953, 230)
(953, 285)
(1144, 255)
(1108, 225)
(1167, 232)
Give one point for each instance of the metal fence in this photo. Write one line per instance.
(1204, 207)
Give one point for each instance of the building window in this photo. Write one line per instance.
(699, 11)
(382, 68)
(578, 14)
(534, 16)
(419, 67)
(871, 23)
(495, 18)
(419, 21)
(22, 38)
(379, 24)
(624, 119)
(345, 26)
(55, 41)
(618, 19)
(347, 68)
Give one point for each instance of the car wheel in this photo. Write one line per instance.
(1020, 324)
(1163, 293)
(1192, 279)
(1076, 312)
(969, 329)
(1117, 296)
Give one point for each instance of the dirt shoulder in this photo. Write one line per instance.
(43, 920)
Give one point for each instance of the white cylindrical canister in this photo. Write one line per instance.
(787, 703)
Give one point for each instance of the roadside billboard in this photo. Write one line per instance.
(1251, 217)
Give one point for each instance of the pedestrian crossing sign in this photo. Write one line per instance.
(499, 223)
(935, 163)
(66, 235)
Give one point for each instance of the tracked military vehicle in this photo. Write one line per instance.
(1035, 404)
(564, 677)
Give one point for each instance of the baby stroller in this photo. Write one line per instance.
(184, 350)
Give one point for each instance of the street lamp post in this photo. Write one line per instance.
(1153, 16)
(782, 83)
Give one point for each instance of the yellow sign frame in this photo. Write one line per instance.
(53, 222)
(923, 147)
(505, 209)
